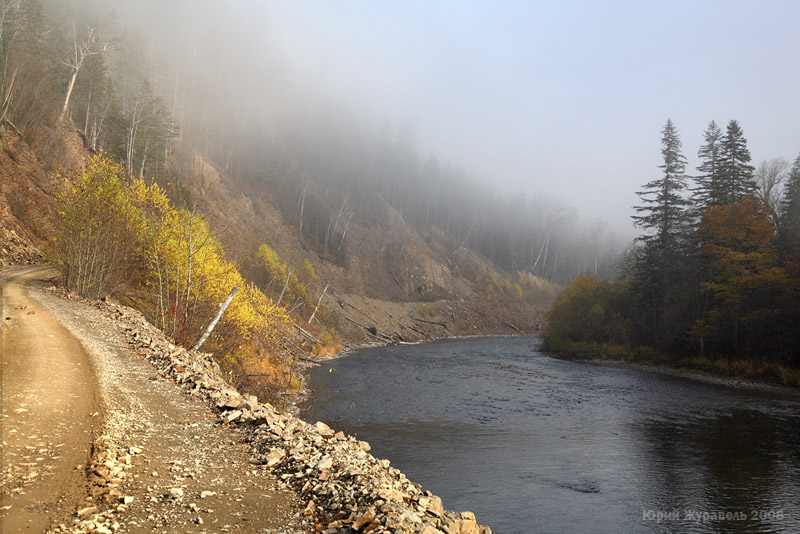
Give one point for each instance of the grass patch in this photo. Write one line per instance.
(330, 343)
(428, 310)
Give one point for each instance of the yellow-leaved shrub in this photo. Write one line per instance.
(121, 235)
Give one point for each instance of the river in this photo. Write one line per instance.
(539, 445)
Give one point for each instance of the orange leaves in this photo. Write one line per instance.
(742, 227)
(744, 280)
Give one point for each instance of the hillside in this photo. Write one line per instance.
(393, 278)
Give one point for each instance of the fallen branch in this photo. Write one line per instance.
(510, 326)
(307, 334)
(371, 330)
(396, 281)
(443, 325)
(418, 331)
(285, 285)
(342, 302)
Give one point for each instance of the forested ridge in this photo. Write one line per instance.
(152, 107)
(151, 174)
(713, 273)
(713, 281)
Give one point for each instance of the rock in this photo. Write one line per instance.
(275, 456)
(231, 404)
(430, 529)
(324, 430)
(83, 512)
(205, 494)
(366, 518)
(127, 499)
(325, 463)
(464, 524)
(432, 504)
(232, 416)
(176, 493)
(364, 446)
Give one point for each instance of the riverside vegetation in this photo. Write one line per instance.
(714, 282)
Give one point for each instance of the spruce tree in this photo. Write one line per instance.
(789, 232)
(737, 174)
(663, 209)
(663, 215)
(709, 182)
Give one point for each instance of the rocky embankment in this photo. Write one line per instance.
(344, 488)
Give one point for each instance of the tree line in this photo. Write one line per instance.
(716, 270)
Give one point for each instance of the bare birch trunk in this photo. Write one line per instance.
(213, 323)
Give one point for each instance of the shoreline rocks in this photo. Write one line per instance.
(346, 489)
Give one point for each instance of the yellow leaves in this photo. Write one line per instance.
(274, 275)
(97, 243)
(120, 232)
(307, 271)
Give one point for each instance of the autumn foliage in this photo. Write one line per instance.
(746, 292)
(120, 235)
(743, 306)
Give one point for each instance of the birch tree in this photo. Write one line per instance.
(83, 48)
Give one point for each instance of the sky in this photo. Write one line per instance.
(563, 98)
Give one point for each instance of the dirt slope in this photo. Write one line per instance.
(153, 444)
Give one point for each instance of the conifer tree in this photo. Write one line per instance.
(709, 182)
(663, 215)
(737, 173)
(789, 232)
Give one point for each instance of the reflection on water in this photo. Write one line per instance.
(534, 444)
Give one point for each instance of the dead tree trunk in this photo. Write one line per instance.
(318, 303)
(213, 323)
(285, 285)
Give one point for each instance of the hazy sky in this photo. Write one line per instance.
(563, 97)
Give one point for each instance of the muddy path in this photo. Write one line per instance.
(160, 460)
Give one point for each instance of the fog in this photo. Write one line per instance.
(563, 99)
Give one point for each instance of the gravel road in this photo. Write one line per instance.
(160, 461)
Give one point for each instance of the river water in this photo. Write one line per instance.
(534, 444)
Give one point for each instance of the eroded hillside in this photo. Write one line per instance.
(380, 281)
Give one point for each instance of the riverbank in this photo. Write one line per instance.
(733, 373)
(342, 489)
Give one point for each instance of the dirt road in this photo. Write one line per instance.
(50, 411)
(72, 386)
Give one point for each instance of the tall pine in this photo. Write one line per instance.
(663, 215)
(736, 173)
(709, 191)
